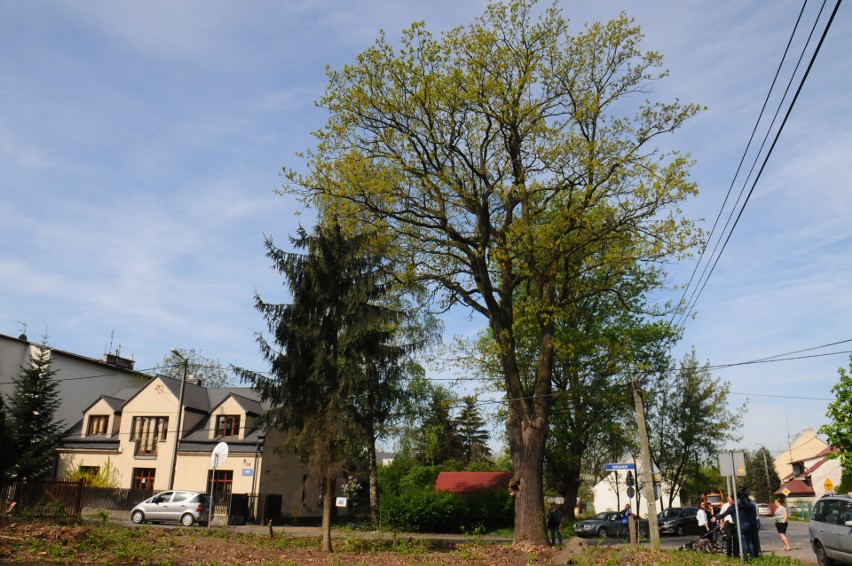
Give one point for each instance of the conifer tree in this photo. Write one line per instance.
(32, 408)
(470, 427)
(333, 354)
(6, 449)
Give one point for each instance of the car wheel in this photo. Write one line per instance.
(601, 533)
(822, 557)
(679, 530)
(137, 517)
(187, 520)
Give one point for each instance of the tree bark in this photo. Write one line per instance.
(373, 472)
(328, 501)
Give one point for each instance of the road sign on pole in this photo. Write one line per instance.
(620, 467)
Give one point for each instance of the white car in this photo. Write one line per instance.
(184, 507)
(763, 510)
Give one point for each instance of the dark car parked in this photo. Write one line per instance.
(605, 524)
(678, 521)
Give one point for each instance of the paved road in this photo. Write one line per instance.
(770, 542)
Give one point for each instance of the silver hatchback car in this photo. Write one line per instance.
(185, 507)
(831, 529)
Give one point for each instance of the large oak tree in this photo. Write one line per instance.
(507, 154)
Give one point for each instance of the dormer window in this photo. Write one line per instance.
(146, 432)
(227, 425)
(97, 425)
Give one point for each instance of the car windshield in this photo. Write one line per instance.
(601, 516)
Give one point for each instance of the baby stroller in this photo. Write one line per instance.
(711, 542)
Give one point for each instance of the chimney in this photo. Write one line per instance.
(118, 361)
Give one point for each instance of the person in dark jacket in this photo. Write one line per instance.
(554, 524)
(746, 515)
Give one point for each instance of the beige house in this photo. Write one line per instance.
(806, 469)
(154, 444)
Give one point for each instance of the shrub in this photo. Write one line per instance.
(409, 502)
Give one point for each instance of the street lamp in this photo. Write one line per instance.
(179, 417)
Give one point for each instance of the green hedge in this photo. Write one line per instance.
(409, 502)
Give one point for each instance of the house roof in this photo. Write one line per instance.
(797, 488)
(72, 439)
(464, 482)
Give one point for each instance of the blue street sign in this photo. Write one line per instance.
(612, 467)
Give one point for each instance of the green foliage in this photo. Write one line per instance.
(32, 408)
(838, 430)
(845, 482)
(761, 477)
(409, 502)
(471, 431)
(702, 478)
(7, 448)
(686, 411)
(107, 475)
(209, 371)
(508, 155)
(428, 431)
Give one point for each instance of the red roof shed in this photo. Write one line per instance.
(465, 482)
(797, 488)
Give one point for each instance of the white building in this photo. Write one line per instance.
(610, 494)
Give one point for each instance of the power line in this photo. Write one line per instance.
(705, 278)
(739, 167)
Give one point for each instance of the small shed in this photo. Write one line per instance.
(467, 482)
(797, 488)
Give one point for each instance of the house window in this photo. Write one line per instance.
(228, 425)
(143, 478)
(146, 432)
(97, 425)
(221, 482)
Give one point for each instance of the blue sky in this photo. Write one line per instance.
(140, 144)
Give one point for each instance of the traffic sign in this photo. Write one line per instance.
(828, 485)
(615, 467)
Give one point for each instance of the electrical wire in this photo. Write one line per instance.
(714, 262)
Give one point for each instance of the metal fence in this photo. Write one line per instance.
(50, 499)
(63, 499)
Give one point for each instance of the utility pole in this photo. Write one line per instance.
(179, 418)
(647, 469)
(766, 469)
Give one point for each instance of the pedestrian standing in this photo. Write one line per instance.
(781, 519)
(554, 524)
(732, 544)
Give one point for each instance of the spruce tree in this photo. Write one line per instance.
(333, 354)
(6, 449)
(470, 427)
(32, 408)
